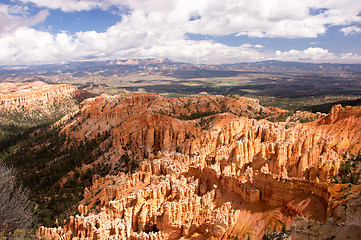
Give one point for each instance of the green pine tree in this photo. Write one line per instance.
(284, 229)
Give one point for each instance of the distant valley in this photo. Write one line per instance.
(280, 84)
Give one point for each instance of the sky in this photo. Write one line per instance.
(195, 31)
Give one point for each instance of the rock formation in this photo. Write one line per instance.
(206, 168)
(34, 102)
(343, 224)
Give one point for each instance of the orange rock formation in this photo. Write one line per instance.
(206, 170)
(17, 95)
(26, 102)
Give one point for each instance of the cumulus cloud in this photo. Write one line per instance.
(351, 30)
(316, 55)
(115, 43)
(312, 54)
(12, 17)
(158, 28)
(257, 18)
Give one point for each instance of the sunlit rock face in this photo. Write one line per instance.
(36, 102)
(206, 168)
(19, 95)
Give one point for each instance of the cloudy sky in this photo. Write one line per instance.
(197, 31)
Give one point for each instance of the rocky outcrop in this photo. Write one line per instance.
(22, 95)
(147, 123)
(158, 206)
(217, 176)
(343, 222)
(36, 102)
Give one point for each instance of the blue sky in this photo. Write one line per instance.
(72, 22)
(202, 31)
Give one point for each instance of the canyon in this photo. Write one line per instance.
(208, 167)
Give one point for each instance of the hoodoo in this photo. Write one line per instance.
(205, 168)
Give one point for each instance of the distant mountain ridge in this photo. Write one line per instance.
(166, 64)
(279, 66)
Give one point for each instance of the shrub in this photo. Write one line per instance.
(15, 211)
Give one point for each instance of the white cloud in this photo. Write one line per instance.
(115, 43)
(257, 18)
(12, 17)
(351, 30)
(120, 43)
(69, 5)
(312, 54)
(316, 55)
(158, 28)
(350, 58)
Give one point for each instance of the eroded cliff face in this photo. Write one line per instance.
(345, 220)
(29, 103)
(205, 170)
(148, 123)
